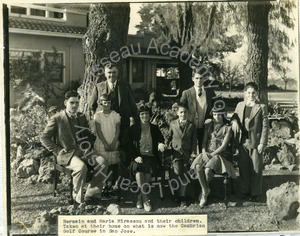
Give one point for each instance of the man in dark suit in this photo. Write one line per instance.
(200, 101)
(72, 145)
(120, 93)
(250, 124)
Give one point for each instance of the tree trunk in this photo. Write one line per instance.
(258, 49)
(285, 84)
(107, 32)
(185, 75)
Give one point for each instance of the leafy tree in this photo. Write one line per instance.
(273, 44)
(231, 74)
(35, 72)
(198, 28)
(26, 126)
(107, 33)
(282, 22)
(32, 76)
(146, 14)
(205, 29)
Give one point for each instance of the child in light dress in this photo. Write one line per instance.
(107, 129)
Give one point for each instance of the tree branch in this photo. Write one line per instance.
(211, 21)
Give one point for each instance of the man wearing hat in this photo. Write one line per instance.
(213, 159)
(73, 141)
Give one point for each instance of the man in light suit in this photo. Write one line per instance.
(72, 145)
(183, 139)
(250, 123)
(120, 94)
(200, 101)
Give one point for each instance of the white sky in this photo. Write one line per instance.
(134, 17)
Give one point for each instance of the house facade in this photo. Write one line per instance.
(43, 27)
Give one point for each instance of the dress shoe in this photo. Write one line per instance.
(244, 196)
(176, 199)
(93, 201)
(203, 199)
(183, 204)
(254, 198)
(106, 192)
(76, 204)
(147, 206)
(71, 202)
(139, 204)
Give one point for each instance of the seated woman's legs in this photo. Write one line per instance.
(209, 175)
(143, 180)
(205, 175)
(202, 179)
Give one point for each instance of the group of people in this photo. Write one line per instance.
(121, 127)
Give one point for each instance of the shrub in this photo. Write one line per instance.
(284, 136)
(239, 86)
(279, 132)
(26, 126)
(36, 71)
(273, 87)
(286, 155)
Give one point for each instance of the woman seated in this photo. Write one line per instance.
(141, 143)
(212, 160)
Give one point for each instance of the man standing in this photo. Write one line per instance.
(250, 124)
(199, 100)
(120, 94)
(72, 145)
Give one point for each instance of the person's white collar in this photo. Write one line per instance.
(197, 89)
(112, 85)
(71, 115)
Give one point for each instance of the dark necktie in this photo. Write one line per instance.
(113, 88)
(73, 117)
(182, 125)
(200, 93)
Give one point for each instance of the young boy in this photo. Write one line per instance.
(250, 124)
(183, 140)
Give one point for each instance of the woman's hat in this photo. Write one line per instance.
(144, 108)
(219, 107)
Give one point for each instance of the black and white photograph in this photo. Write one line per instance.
(150, 116)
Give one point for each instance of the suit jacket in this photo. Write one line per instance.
(127, 105)
(189, 98)
(184, 143)
(131, 141)
(258, 123)
(58, 135)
